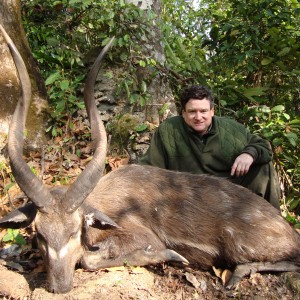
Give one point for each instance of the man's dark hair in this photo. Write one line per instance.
(196, 92)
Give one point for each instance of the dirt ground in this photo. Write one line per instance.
(154, 282)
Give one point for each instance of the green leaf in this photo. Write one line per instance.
(60, 106)
(19, 239)
(142, 63)
(284, 51)
(266, 61)
(278, 108)
(171, 54)
(52, 41)
(256, 91)
(276, 141)
(52, 78)
(153, 62)
(265, 109)
(54, 132)
(9, 236)
(8, 186)
(295, 122)
(127, 89)
(286, 116)
(64, 84)
(141, 127)
(134, 98)
(144, 86)
(290, 219)
(293, 138)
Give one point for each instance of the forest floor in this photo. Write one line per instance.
(24, 278)
(22, 272)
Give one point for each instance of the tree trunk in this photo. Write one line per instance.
(159, 89)
(10, 16)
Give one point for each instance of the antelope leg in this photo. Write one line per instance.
(252, 268)
(93, 260)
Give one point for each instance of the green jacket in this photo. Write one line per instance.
(176, 146)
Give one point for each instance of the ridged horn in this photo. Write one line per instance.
(90, 176)
(28, 182)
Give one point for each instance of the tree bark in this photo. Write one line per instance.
(10, 16)
(159, 89)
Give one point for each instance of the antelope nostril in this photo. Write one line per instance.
(59, 289)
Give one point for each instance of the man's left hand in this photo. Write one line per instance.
(241, 165)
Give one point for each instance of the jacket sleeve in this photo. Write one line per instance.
(259, 148)
(156, 154)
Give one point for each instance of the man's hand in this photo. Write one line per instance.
(241, 165)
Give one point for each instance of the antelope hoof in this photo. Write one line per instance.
(233, 282)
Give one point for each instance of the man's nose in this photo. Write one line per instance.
(198, 115)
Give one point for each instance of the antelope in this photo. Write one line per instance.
(141, 215)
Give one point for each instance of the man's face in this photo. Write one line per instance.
(198, 114)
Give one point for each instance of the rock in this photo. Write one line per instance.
(13, 285)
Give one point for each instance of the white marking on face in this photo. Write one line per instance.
(66, 249)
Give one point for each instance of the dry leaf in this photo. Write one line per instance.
(192, 279)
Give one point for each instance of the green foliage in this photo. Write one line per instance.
(64, 33)
(249, 55)
(13, 236)
(282, 130)
(124, 129)
(62, 94)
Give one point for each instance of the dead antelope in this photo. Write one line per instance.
(142, 215)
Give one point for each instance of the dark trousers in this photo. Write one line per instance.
(262, 180)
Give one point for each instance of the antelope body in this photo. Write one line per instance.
(142, 215)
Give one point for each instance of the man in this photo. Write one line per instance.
(202, 143)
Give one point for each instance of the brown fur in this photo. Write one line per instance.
(208, 220)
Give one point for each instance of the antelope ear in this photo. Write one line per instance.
(96, 218)
(19, 218)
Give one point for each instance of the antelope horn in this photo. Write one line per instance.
(28, 182)
(90, 176)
